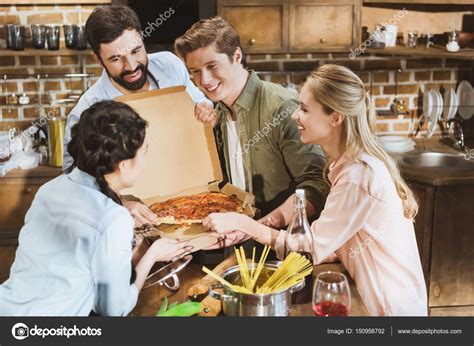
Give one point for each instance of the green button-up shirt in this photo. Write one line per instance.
(275, 161)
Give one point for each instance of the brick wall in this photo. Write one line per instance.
(378, 74)
(45, 90)
(416, 77)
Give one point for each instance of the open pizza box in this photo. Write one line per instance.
(182, 160)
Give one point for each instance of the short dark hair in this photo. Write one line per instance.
(106, 23)
(206, 32)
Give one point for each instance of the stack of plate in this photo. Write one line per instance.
(465, 95)
(432, 109)
(450, 104)
(396, 144)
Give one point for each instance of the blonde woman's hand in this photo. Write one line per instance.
(231, 238)
(169, 249)
(227, 222)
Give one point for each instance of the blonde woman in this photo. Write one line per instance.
(367, 220)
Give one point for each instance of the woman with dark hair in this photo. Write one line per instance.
(75, 249)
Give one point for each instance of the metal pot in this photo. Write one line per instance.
(241, 304)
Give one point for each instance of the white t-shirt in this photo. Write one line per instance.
(235, 155)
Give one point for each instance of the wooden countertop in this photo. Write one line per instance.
(434, 176)
(38, 172)
(149, 300)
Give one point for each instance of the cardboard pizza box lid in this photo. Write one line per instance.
(182, 153)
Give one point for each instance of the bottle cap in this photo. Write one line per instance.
(300, 193)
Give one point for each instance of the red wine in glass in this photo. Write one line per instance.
(331, 295)
(330, 309)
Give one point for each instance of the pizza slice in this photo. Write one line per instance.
(191, 209)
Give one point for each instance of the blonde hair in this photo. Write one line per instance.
(339, 89)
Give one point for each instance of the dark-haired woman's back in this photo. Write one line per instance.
(75, 254)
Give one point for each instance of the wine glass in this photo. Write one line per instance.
(331, 295)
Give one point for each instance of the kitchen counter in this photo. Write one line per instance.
(434, 176)
(38, 172)
(149, 300)
(17, 190)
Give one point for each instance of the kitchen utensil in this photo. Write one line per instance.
(69, 36)
(465, 100)
(453, 44)
(426, 40)
(242, 304)
(8, 36)
(412, 39)
(435, 111)
(398, 106)
(52, 37)
(331, 296)
(202, 286)
(167, 272)
(9, 109)
(16, 36)
(439, 104)
(463, 38)
(38, 35)
(427, 104)
(80, 36)
(450, 104)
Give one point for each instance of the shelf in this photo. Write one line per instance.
(43, 52)
(421, 52)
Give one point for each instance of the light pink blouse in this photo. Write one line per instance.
(367, 230)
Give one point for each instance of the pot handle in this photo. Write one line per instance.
(221, 297)
(175, 285)
(298, 287)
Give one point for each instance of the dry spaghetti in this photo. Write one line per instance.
(294, 268)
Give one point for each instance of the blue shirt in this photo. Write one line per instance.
(167, 69)
(74, 254)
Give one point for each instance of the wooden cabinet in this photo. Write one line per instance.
(452, 257)
(286, 26)
(445, 240)
(17, 190)
(425, 195)
(324, 25)
(262, 25)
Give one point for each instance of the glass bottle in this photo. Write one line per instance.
(299, 238)
(56, 132)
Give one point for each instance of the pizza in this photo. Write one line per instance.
(195, 208)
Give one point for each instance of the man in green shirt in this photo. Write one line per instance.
(256, 137)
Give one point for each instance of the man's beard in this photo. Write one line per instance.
(135, 85)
